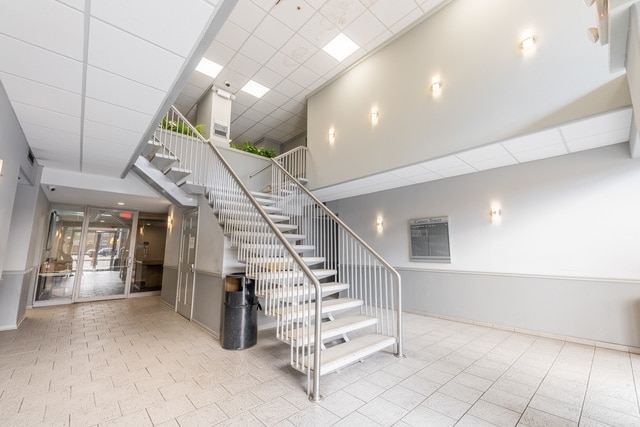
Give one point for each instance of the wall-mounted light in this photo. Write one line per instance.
(170, 222)
(379, 224)
(436, 86)
(0, 167)
(495, 214)
(375, 114)
(527, 42)
(332, 135)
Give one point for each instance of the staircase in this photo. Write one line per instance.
(334, 299)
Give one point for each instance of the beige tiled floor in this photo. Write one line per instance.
(136, 363)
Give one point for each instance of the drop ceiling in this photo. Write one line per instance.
(87, 78)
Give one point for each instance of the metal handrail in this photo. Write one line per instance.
(191, 160)
(282, 159)
(377, 256)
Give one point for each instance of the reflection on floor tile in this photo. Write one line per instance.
(135, 362)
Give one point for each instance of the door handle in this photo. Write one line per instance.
(192, 268)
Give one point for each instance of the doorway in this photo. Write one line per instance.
(186, 269)
(106, 254)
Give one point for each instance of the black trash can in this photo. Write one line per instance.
(240, 323)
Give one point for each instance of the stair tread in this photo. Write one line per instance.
(335, 328)
(281, 226)
(328, 288)
(328, 306)
(289, 274)
(284, 261)
(163, 161)
(274, 217)
(297, 248)
(241, 197)
(289, 236)
(223, 204)
(344, 354)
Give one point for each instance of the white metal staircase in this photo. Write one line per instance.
(334, 299)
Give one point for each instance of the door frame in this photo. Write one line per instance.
(181, 263)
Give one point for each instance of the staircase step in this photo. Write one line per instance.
(268, 247)
(283, 263)
(332, 329)
(289, 292)
(248, 224)
(248, 235)
(245, 214)
(242, 206)
(328, 306)
(241, 197)
(263, 195)
(163, 161)
(338, 356)
(177, 174)
(150, 149)
(190, 187)
(278, 276)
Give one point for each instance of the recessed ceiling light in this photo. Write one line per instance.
(341, 47)
(120, 203)
(209, 68)
(255, 89)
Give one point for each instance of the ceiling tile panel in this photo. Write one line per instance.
(42, 96)
(342, 13)
(102, 112)
(243, 65)
(288, 88)
(219, 53)
(126, 15)
(425, 177)
(298, 48)
(599, 140)
(542, 152)
(112, 134)
(455, 171)
(377, 41)
(47, 118)
(232, 36)
(247, 14)
(293, 14)
(54, 136)
(391, 12)
(273, 32)
(321, 63)
(76, 4)
(271, 121)
(365, 28)
(494, 162)
(130, 94)
(258, 50)
(319, 31)
(265, 107)
(532, 141)
(601, 124)
(118, 52)
(493, 151)
(442, 163)
(282, 64)
(56, 27)
(294, 107)
(268, 77)
(276, 98)
(24, 60)
(303, 76)
(409, 171)
(95, 148)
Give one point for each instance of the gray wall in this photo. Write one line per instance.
(563, 258)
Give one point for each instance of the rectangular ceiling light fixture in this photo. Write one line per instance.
(341, 47)
(255, 89)
(209, 68)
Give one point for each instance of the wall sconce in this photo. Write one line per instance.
(0, 167)
(527, 42)
(332, 135)
(436, 86)
(170, 222)
(379, 224)
(495, 214)
(375, 114)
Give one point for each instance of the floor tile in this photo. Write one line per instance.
(383, 411)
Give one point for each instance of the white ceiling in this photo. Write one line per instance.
(86, 84)
(279, 45)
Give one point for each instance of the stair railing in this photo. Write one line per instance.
(370, 277)
(293, 161)
(270, 258)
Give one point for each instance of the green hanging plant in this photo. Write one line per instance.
(249, 147)
(181, 127)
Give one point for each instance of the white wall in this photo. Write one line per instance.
(569, 228)
(490, 90)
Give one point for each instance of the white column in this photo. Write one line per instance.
(214, 112)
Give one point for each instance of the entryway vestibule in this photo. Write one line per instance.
(92, 253)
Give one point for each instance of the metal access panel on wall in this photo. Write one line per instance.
(429, 239)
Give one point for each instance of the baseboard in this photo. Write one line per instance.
(575, 340)
(8, 327)
(208, 330)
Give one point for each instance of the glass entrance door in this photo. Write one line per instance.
(106, 254)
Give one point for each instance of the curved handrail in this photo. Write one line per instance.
(287, 245)
(380, 259)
